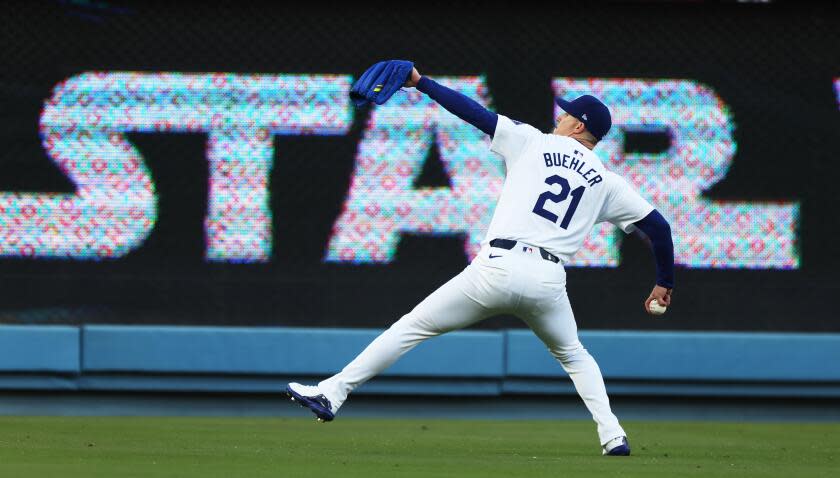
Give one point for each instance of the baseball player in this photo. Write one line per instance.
(555, 190)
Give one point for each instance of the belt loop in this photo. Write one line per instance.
(549, 256)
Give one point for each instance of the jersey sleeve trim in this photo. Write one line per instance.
(632, 207)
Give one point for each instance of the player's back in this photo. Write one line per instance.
(556, 189)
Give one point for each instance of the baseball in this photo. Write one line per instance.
(657, 309)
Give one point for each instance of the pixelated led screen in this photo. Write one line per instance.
(241, 189)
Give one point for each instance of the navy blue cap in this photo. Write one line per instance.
(591, 112)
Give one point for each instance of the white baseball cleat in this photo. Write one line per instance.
(616, 447)
(312, 398)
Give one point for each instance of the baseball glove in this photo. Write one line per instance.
(380, 82)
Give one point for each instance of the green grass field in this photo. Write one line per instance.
(89, 447)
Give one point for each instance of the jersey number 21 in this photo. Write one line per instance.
(565, 191)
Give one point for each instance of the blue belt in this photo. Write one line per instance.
(510, 244)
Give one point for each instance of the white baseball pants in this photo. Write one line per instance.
(517, 281)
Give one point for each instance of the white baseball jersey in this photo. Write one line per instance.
(556, 189)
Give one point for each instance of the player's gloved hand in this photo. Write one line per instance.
(381, 81)
(661, 294)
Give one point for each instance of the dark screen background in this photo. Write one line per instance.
(774, 66)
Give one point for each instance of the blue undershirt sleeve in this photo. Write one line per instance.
(460, 105)
(656, 228)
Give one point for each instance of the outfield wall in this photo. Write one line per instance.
(231, 359)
